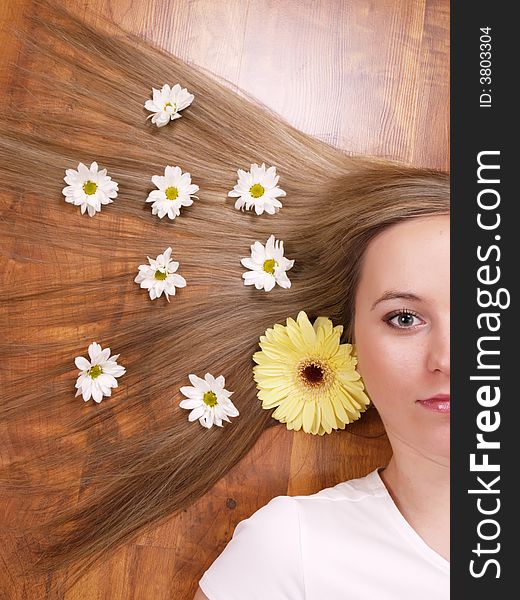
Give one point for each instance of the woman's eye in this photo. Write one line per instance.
(403, 320)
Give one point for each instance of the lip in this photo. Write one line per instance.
(438, 403)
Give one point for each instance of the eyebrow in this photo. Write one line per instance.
(392, 295)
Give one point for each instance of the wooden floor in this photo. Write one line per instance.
(371, 77)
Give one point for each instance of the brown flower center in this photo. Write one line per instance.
(315, 374)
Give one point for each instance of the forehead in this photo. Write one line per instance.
(412, 255)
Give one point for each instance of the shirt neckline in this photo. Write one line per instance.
(402, 524)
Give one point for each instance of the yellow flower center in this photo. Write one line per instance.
(269, 266)
(89, 187)
(210, 398)
(95, 371)
(171, 193)
(315, 374)
(256, 190)
(170, 104)
(160, 275)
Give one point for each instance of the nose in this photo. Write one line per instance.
(439, 349)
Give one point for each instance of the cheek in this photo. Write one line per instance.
(390, 366)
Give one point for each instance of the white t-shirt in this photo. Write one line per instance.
(347, 542)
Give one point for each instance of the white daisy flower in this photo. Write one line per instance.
(267, 266)
(89, 188)
(167, 102)
(159, 276)
(258, 188)
(99, 374)
(175, 189)
(208, 400)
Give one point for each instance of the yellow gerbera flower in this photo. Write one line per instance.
(304, 371)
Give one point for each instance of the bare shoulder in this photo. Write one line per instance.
(200, 595)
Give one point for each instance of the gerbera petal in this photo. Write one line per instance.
(327, 411)
(309, 409)
(317, 422)
(294, 408)
(306, 328)
(295, 334)
(340, 411)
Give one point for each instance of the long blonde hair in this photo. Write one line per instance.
(148, 461)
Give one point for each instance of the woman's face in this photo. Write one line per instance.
(404, 358)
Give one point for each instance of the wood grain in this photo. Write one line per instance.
(370, 77)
